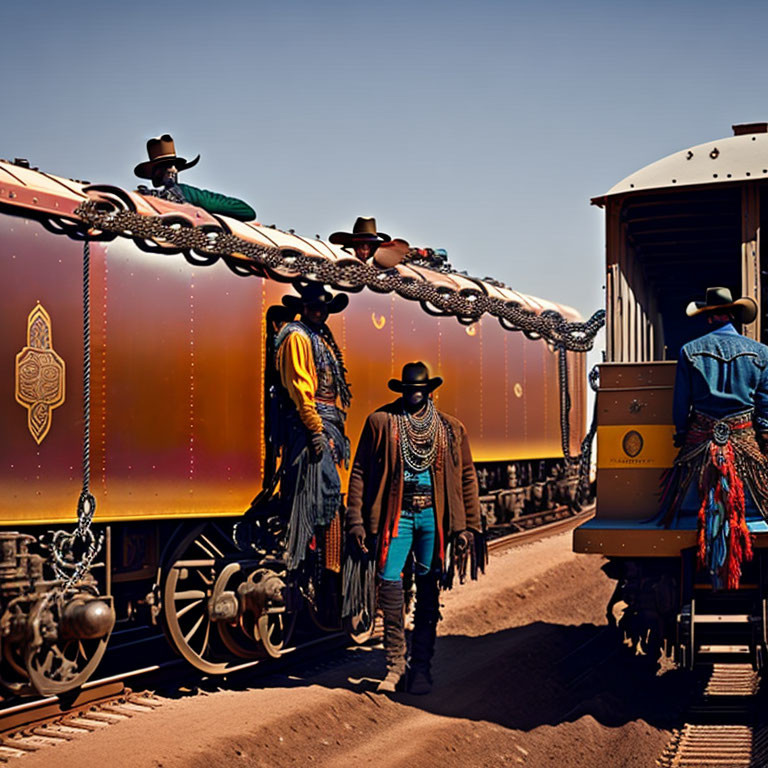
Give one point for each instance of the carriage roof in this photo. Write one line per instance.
(743, 157)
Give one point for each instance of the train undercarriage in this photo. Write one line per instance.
(218, 606)
(522, 493)
(219, 603)
(664, 606)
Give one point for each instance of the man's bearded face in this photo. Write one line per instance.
(165, 176)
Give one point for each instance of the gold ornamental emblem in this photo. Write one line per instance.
(632, 443)
(378, 322)
(39, 374)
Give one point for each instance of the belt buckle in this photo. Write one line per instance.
(721, 432)
(417, 503)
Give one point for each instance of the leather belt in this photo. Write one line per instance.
(418, 502)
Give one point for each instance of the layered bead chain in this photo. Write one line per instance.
(421, 437)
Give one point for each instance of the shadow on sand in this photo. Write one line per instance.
(542, 674)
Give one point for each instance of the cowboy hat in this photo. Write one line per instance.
(315, 293)
(364, 231)
(719, 300)
(162, 150)
(415, 376)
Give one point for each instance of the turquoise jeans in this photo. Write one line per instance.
(416, 531)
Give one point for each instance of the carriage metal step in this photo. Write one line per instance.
(721, 618)
(726, 649)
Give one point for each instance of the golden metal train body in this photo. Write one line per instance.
(684, 223)
(177, 348)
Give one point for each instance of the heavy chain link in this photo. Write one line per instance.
(467, 304)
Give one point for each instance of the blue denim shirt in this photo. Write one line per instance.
(720, 374)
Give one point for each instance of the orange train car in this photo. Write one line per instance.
(673, 228)
(175, 406)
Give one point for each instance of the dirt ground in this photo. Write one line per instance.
(526, 673)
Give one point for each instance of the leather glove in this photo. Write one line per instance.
(357, 534)
(317, 444)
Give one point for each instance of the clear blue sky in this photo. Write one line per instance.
(482, 127)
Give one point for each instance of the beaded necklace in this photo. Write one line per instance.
(422, 438)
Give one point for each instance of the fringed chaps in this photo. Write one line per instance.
(723, 457)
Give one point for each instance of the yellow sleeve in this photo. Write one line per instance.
(299, 377)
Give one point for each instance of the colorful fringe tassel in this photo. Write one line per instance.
(724, 540)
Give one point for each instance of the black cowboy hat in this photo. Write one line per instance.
(364, 231)
(161, 150)
(719, 300)
(315, 293)
(415, 376)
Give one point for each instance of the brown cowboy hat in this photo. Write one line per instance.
(719, 300)
(415, 376)
(364, 231)
(162, 150)
(315, 293)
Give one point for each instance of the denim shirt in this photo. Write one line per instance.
(721, 374)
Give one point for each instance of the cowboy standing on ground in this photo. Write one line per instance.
(721, 422)
(413, 489)
(163, 168)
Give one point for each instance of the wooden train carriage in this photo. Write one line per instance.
(176, 394)
(673, 228)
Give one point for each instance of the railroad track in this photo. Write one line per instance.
(724, 724)
(564, 523)
(43, 723)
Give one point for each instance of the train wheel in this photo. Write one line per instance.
(238, 635)
(57, 666)
(188, 582)
(237, 640)
(271, 610)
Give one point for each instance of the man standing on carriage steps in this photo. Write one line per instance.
(413, 489)
(721, 422)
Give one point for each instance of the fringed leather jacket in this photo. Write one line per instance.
(376, 481)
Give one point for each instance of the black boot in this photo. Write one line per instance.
(391, 604)
(426, 616)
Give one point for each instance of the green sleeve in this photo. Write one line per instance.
(213, 202)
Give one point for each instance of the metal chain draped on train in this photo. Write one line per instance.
(175, 397)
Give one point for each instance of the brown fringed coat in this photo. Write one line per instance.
(375, 497)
